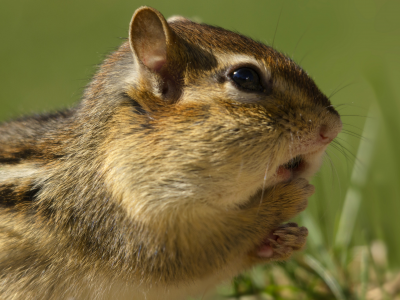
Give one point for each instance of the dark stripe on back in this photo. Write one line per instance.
(17, 157)
(12, 195)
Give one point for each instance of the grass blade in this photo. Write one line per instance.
(326, 276)
(353, 198)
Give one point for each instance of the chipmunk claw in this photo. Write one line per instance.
(286, 239)
(289, 237)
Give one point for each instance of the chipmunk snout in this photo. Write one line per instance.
(328, 133)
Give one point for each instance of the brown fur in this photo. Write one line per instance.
(164, 178)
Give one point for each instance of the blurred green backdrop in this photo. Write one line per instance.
(49, 50)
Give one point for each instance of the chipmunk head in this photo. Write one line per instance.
(225, 115)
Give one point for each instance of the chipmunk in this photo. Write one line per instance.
(191, 148)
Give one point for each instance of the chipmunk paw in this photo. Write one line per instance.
(282, 242)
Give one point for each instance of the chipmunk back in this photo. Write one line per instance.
(191, 147)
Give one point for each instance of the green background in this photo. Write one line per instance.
(50, 49)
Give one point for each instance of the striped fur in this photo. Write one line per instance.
(161, 182)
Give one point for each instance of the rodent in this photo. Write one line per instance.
(191, 147)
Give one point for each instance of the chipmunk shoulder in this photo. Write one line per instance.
(191, 148)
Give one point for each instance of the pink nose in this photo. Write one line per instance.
(327, 134)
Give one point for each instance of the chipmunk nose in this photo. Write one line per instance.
(327, 134)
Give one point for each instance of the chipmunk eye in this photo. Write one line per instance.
(247, 79)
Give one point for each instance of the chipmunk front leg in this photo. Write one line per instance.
(283, 202)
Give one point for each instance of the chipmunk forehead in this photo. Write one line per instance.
(231, 47)
(218, 39)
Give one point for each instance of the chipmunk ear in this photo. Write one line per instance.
(156, 47)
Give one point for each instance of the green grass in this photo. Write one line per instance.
(49, 50)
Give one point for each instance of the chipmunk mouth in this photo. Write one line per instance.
(293, 168)
(294, 164)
